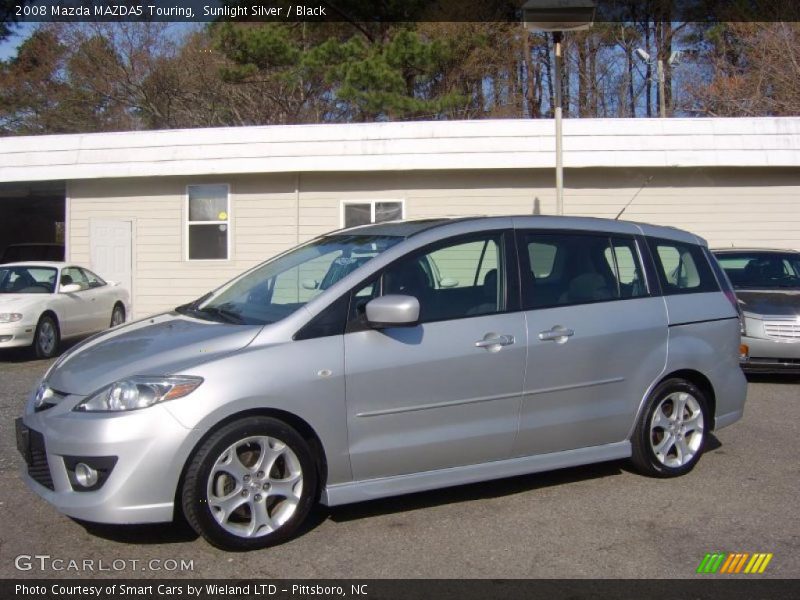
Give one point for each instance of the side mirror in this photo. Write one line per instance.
(309, 284)
(393, 311)
(70, 288)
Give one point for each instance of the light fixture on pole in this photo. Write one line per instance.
(558, 16)
(674, 58)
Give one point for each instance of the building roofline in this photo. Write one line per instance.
(404, 146)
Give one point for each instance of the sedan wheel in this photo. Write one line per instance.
(672, 430)
(250, 485)
(117, 316)
(46, 338)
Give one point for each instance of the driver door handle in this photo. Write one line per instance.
(500, 340)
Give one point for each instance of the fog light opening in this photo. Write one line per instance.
(85, 475)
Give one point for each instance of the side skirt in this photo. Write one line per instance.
(359, 491)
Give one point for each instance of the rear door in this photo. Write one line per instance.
(596, 339)
(446, 392)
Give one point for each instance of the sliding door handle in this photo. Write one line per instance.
(557, 334)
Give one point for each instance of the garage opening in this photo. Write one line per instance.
(32, 213)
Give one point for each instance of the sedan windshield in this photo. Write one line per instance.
(27, 280)
(761, 270)
(280, 286)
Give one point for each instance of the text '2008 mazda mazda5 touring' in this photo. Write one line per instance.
(389, 359)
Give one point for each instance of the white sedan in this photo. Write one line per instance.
(35, 311)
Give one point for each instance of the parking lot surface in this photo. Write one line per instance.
(596, 521)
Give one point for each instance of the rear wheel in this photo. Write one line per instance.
(46, 338)
(672, 430)
(250, 485)
(117, 315)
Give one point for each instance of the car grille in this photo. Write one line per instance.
(38, 468)
(782, 330)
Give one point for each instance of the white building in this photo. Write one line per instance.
(175, 213)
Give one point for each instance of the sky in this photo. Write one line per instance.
(8, 47)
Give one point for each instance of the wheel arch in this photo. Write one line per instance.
(298, 423)
(702, 382)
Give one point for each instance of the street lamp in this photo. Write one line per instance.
(558, 16)
(674, 57)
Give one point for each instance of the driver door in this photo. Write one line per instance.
(438, 394)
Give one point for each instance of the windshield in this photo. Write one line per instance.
(761, 270)
(280, 286)
(27, 280)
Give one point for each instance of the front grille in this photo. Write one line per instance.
(782, 330)
(38, 468)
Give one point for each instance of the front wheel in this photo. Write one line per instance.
(46, 338)
(250, 484)
(672, 430)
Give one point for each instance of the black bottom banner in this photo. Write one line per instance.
(411, 589)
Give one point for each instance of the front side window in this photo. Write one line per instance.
(208, 222)
(456, 280)
(284, 284)
(565, 269)
(761, 270)
(355, 213)
(682, 268)
(27, 280)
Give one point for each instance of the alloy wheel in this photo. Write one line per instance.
(255, 486)
(677, 429)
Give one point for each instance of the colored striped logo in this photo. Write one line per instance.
(735, 562)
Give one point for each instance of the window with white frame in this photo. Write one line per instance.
(364, 212)
(208, 222)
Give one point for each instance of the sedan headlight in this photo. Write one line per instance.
(10, 317)
(139, 392)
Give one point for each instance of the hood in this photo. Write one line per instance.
(773, 303)
(161, 345)
(19, 301)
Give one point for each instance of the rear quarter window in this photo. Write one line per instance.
(682, 268)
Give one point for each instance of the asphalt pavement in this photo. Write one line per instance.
(597, 521)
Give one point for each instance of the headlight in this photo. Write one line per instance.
(10, 317)
(139, 392)
(45, 395)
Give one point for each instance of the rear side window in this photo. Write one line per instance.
(682, 268)
(564, 269)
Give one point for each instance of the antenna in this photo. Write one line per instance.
(636, 195)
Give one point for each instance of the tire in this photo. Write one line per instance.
(224, 472)
(47, 337)
(665, 443)
(117, 315)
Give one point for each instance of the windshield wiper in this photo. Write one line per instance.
(221, 311)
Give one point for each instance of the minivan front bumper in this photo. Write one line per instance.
(143, 452)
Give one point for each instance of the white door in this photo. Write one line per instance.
(111, 242)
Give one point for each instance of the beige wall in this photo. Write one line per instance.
(269, 214)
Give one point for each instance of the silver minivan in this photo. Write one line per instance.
(388, 359)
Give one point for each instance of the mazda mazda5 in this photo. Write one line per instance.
(388, 359)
